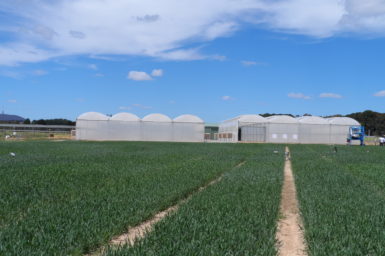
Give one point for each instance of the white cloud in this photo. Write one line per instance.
(99, 75)
(12, 101)
(380, 94)
(125, 108)
(93, 67)
(139, 76)
(226, 98)
(141, 106)
(11, 74)
(157, 72)
(298, 96)
(162, 29)
(330, 95)
(248, 63)
(40, 72)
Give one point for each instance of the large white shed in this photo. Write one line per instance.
(313, 130)
(282, 129)
(188, 128)
(125, 126)
(247, 128)
(157, 127)
(92, 126)
(339, 129)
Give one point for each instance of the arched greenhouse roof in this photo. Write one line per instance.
(125, 117)
(343, 121)
(282, 119)
(251, 119)
(312, 120)
(93, 116)
(188, 119)
(156, 118)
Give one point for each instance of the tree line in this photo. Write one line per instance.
(56, 121)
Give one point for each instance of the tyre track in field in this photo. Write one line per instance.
(139, 232)
(290, 232)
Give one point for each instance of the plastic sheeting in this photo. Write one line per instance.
(129, 127)
(188, 128)
(286, 129)
(282, 129)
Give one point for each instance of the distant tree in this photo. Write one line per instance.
(27, 121)
(57, 121)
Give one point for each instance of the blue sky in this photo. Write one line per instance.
(215, 59)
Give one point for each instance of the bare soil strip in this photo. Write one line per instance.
(139, 232)
(290, 235)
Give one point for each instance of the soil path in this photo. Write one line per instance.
(290, 235)
(138, 232)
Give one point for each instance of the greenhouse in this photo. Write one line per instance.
(188, 128)
(92, 126)
(282, 129)
(339, 128)
(247, 128)
(286, 129)
(129, 127)
(314, 130)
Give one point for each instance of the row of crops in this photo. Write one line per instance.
(70, 198)
(236, 216)
(342, 198)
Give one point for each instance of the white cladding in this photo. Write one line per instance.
(286, 129)
(92, 126)
(282, 129)
(314, 130)
(245, 127)
(124, 126)
(156, 127)
(188, 128)
(129, 127)
(339, 127)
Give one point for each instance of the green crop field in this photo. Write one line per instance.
(69, 198)
(342, 198)
(236, 216)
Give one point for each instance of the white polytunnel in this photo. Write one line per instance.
(125, 126)
(246, 128)
(156, 127)
(282, 129)
(188, 128)
(92, 126)
(339, 128)
(313, 130)
(129, 127)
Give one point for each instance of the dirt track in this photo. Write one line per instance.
(290, 235)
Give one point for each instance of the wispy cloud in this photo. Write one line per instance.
(40, 72)
(227, 98)
(380, 94)
(248, 63)
(11, 74)
(93, 66)
(298, 96)
(12, 101)
(330, 95)
(48, 29)
(157, 72)
(139, 76)
(132, 106)
(141, 106)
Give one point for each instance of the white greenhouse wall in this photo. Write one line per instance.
(128, 127)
